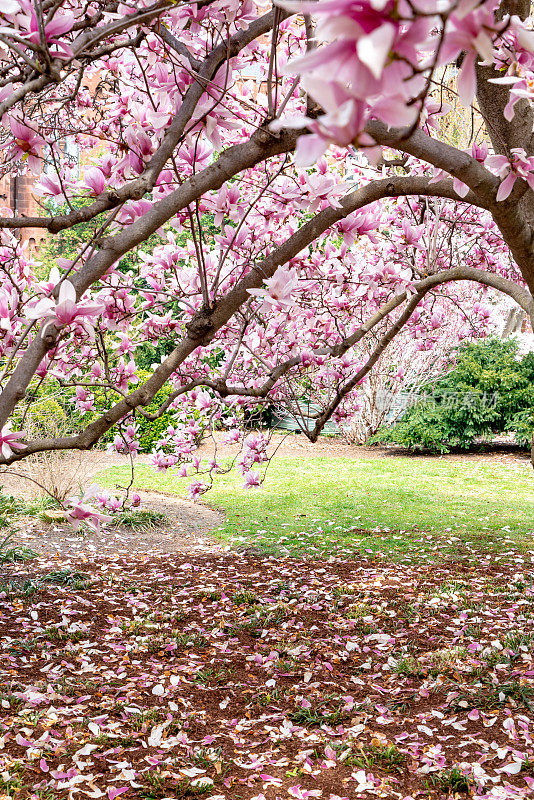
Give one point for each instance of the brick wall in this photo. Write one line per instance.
(16, 192)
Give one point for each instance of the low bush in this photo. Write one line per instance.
(489, 390)
(149, 431)
(522, 424)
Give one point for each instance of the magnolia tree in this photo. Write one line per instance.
(264, 187)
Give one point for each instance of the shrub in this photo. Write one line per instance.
(149, 431)
(43, 415)
(522, 424)
(423, 427)
(489, 390)
(55, 473)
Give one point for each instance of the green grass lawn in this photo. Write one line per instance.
(403, 506)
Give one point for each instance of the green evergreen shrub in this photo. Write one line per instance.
(489, 390)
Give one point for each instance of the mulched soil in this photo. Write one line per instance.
(231, 677)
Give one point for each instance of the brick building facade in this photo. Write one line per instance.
(16, 193)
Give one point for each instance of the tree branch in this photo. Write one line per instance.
(517, 230)
(261, 146)
(136, 189)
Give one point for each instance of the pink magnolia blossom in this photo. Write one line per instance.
(94, 180)
(343, 122)
(58, 25)
(127, 441)
(479, 151)
(412, 233)
(114, 792)
(84, 400)
(8, 304)
(162, 462)
(28, 144)
(360, 224)
(108, 501)
(10, 7)
(355, 31)
(196, 489)
(508, 170)
(252, 478)
(126, 373)
(9, 440)
(61, 23)
(369, 52)
(79, 511)
(227, 202)
(66, 310)
(279, 289)
(303, 794)
(203, 401)
(48, 186)
(233, 436)
(468, 33)
(134, 209)
(54, 277)
(461, 188)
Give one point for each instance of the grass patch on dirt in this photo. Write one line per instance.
(141, 519)
(11, 553)
(396, 506)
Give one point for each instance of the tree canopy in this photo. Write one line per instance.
(257, 199)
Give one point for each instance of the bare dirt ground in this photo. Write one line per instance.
(186, 530)
(188, 525)
(224, 676)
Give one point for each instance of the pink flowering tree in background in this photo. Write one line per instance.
(273, 199)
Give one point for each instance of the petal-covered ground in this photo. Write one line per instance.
(230, 677)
